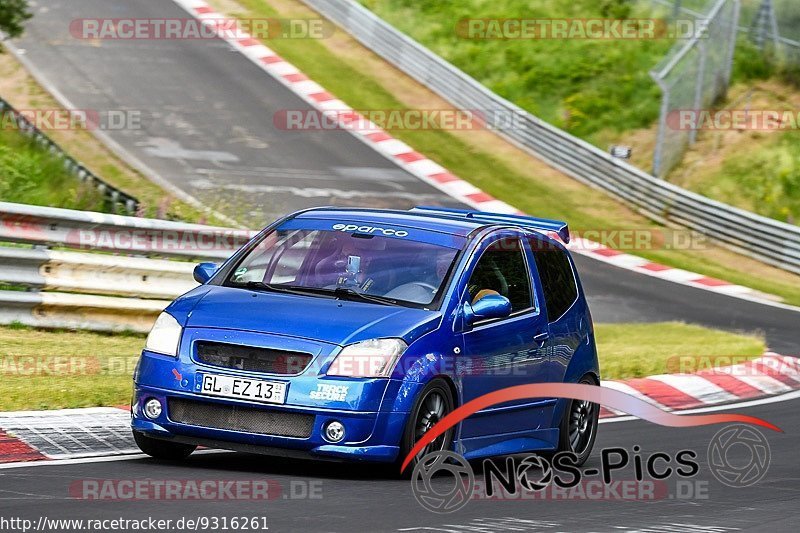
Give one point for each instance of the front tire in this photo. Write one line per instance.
(578, 428)
(162, 449)
(432, 404)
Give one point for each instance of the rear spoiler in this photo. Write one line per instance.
(538, 224)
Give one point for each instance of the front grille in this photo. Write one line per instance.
(251, 358)
(236, 418)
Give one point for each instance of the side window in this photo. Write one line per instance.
(558, 280)
(502, 269)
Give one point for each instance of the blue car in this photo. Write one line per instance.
(346, 334)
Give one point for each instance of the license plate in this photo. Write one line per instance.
(244, 388)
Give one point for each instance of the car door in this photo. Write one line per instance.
(560, 292)
(504, 352)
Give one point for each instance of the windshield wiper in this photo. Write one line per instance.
(261, 286)
(344, 292)
(339, 292)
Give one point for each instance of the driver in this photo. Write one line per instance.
(346, 268)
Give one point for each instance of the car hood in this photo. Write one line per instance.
(319, 318)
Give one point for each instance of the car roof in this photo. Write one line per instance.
(406, 219)
(460, 222)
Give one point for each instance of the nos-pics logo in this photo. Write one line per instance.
(444, 482)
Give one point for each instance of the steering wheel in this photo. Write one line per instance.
(424, 285)
(415, 291)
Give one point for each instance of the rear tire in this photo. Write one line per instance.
(162, 449)
(578, 427)
(432, 404)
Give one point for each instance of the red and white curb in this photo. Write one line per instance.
(765, 376)
(430, 172)
(65, 434)
(105, 431)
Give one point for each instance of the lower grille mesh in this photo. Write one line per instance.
(236, 418)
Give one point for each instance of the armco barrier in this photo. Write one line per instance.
(762, 238)
(50, 270)
(112, 291)
(78, 311)
(87, 230)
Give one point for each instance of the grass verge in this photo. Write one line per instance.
(364, 81)
(46, 369)
(59, 369)
(636, 350)
(30, 174)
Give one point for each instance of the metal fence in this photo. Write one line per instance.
(112, 288)
(117, 200)
(774, 25)
(765, 239)
(692, 76)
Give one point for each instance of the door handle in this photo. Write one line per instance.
(540, 339)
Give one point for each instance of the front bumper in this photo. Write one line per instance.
(369, 412)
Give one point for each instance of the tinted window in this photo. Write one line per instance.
(502, 269)
(403, 270)
(558, 280)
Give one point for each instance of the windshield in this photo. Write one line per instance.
(362, 266)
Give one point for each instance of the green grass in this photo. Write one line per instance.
(31, 175)
(766, 181)
(580, 85)
(59, 369)
(636, 350)
(80, 369)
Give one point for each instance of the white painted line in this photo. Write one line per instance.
(426, 166)
(307, 87)
(498, 206)
(393, 147)
(628, 261)
(91, 460)
(282, 69)
(459, 188)
(62, 412)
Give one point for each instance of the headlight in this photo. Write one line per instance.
(165, 335)
(374, 358)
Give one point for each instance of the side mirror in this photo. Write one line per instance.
(204, 272)
(490, 306)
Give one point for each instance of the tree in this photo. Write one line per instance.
(12, 14)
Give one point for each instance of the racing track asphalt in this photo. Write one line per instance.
(365, 498)
(206, 120)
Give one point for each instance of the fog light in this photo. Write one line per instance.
(152, 408)
(334, 431)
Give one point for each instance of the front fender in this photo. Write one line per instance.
(417, 373)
